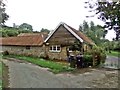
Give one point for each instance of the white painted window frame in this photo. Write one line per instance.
(56, 46)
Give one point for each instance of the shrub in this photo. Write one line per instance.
(87, 60)
(88, 53)
(5, 53)
(96, 56)
(99, 55)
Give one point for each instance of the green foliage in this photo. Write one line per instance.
(88, 60)
(26, 26)
(85, 25)
(76, 46)
(98, 54)
(92, 26)
(3, 14)
(111, 45)
(95, 32)
(114, 53)
(53, 66)
(116, 45)
(6, 32)
(45, 30)
(109, 12)
(11, 33)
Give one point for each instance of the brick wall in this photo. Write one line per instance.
(21, 50)
(56, 55)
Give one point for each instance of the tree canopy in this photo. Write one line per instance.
(11, 31)
(45, 30)
(26, 26)
(95, 32)
(3, 14)
(107, 11)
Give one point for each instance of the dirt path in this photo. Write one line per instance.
(26, 75)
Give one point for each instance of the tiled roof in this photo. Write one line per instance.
(82, 36)
(32, 39)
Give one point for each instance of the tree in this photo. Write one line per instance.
(3, 14)
(107, 11)
(80, 28)
(26, 26)
(7, 31)
(92, 26)
(85, 26)
(45, 30)
(95, 32)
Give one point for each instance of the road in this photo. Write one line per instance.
(26, 75)
(112, 62)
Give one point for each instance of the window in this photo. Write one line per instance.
(70, 49)
(55, 48)
(58, 48)
(51, 48)
(27, 47)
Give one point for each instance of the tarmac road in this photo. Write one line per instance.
(112, 62)
(26, 75)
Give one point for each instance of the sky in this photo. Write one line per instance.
(49, 13)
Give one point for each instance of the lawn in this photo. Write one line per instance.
(55, 67)
(114, 53)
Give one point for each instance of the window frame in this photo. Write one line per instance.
(69, 49)
(27, 47)
(54, 48)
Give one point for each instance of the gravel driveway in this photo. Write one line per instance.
(26, 75)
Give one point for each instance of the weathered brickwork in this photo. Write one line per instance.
(62, 55)
(21, 50)
(39, 51)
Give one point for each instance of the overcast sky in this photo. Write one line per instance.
(48, 13)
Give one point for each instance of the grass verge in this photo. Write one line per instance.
(53, 66)
(114, 53)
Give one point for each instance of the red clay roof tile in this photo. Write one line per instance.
(34, 39)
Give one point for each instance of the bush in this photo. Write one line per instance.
(94, 57)
(87, 60)
(99, 55)
(5, 53)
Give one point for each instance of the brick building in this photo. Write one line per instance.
(54, 45)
